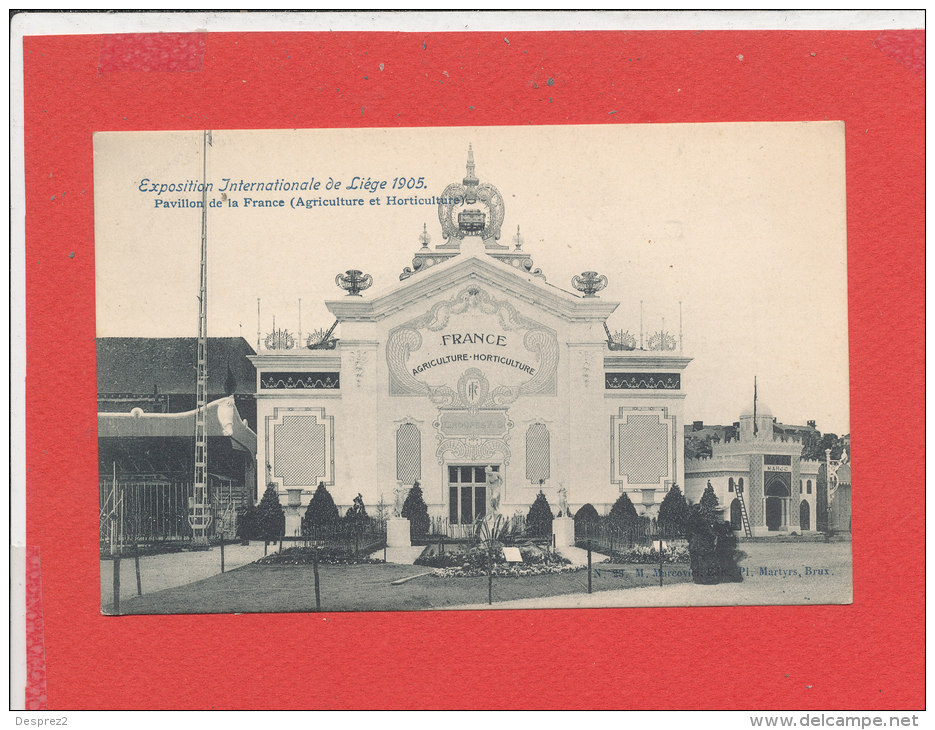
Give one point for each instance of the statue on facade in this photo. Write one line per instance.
(563, 510)
(494, 484)
(398, 499)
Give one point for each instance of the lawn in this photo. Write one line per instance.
(368, 587)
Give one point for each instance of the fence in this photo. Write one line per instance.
(606, 535)
(351, 538)
(136, 513)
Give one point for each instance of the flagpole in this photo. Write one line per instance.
(754, 406)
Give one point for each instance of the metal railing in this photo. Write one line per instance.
(147, 512)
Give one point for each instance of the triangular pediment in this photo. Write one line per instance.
(461, 271)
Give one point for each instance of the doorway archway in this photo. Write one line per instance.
(777, 505)
(805, 516)
(736, 522)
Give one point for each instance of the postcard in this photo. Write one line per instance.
(472, 367)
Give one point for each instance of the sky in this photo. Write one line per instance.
(743, 224)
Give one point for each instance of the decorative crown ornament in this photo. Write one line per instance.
(471, 208)
(661, 340)
(321, 339)
(589, 283)
(279, 339)
(354, 282)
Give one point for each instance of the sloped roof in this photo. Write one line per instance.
(459, 270)
(141, 365)
(222, 419)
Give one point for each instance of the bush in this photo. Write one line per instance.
(712, 546)
(708, 502)
(539, 518)
(415, 510)
(673, 512)
(269, 521)
(586, 519)
(321, 511)
(623, 512)
(728, 556)
(246, 522)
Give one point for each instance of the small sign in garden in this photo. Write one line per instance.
(512, 555)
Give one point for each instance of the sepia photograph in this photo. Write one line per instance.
(496, 367)
(468, 360)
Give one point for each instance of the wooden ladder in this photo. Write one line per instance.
(743, 514)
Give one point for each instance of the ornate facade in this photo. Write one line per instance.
(470, 364)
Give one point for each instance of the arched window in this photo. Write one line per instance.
(808, 487)
(538, 455)
(408, 453)
(730, 484)
(740, 485)
(804, 516)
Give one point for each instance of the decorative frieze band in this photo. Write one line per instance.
(301, 381)
(642, 381)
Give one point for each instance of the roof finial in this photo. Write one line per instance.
(518, 239)
(470, 178)
(424, 238)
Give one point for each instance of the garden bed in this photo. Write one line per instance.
(671, 554)
(306, 556)
(474, 562)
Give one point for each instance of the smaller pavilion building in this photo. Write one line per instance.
(761, 480)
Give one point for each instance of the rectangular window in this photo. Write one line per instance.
(467, 493)
(480, 502)
(467, 516)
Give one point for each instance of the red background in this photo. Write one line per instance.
(865, 656)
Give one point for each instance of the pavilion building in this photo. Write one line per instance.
(759, 477)
(472, 363)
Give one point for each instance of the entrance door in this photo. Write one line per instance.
(467, 492)
(773, 513)
(777, 500)
(736, 521)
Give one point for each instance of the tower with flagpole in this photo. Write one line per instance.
(199, 510)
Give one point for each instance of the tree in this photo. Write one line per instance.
(539, 518)
(321, 510)
(383, 510)
(708, 504)
(702, 544)
(270, 519)
(586, 519)
(673, 512)
(814, 447)
(623, 512)
(697, 448)
(415, 510)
